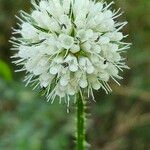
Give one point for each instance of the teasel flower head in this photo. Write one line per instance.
(67, 46)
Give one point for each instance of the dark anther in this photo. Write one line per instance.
(74, 24)
(63, 26)
(78, 38)
(49, 14)
(105, 61)
(97, 39)
(87, 15)
(65, 64)
(76, 42)
(43, 88)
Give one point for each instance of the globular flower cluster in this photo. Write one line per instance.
(66, 46)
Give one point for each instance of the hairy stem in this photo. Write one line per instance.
(80, 122)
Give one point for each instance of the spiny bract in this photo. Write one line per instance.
(66, 46)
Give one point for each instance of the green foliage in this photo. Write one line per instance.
(27, 122)
(5, 71)
(119, 121)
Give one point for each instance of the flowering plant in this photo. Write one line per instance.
(69, 46)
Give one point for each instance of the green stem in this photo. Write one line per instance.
(80, 123)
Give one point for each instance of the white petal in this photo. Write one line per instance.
(96, 9)
(28, 31)
(73, 67)
(43, 62)
(44, 83)
(24, 52)
(43, 5)
(89, 33)
(45, 76)
(66, 6)
(85, 35)
(90, 69)
(95, 60)
(99, 18)
(116, 57)
(38, 70)
(54, 70)
(82, 61)
(108, 14)
(118, 36)
(58, 60)
(81, 34)
(60, 93)
(65, 19)
(104, 40)
(104, 76)
(114, 47)
(71, 90)
(64, 81)
(103, 65)
(45, 79)
(96, 85)
(97, 48)
(66, 41)
(115, 36)
(83, 83)
(58, 7)
(75, 48)
(113, 70)
(69, 58)
(78, 74)
(37, 16)
(86, 47)
(54, 26)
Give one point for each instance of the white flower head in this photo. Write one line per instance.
(66, 46)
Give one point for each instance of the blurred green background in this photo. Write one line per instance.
(119, 121)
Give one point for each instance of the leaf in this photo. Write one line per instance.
(5, 71)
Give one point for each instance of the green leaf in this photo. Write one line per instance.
(5, 71)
